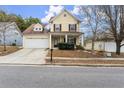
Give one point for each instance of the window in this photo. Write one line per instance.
(16, 33)
(72, 27)
(57, 27)
(36, 29)
(39, 28)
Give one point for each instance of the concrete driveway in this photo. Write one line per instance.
(25, 56)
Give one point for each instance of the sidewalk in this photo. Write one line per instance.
(86, 58)
(116, 62)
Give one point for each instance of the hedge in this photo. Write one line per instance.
(66, 46)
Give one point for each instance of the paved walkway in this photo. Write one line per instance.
(25, 56)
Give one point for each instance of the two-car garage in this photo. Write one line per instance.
(35, 41)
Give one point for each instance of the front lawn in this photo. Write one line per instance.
(9, 50)
(82, 54)
(75, 54)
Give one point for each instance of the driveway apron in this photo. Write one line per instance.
(25, 56)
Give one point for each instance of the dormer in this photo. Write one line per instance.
(38, 27)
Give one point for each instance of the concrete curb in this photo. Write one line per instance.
(90, 65)
(18, 64)
(86, 64)
(66, 65)
(66, 58)
(62, 65)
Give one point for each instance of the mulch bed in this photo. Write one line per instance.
(82, 54)
(75, 53)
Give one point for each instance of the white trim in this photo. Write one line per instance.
(66, 38)
(50, 43)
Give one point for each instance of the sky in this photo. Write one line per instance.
(43, 12)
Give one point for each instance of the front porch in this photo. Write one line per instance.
(64, 37)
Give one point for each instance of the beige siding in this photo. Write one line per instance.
(64, 21)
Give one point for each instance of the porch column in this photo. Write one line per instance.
(50, 43)
(66, 38)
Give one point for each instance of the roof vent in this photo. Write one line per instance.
(64, 15)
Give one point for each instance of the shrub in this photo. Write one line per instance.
(13, 44)
(65, 46)
(79, 47)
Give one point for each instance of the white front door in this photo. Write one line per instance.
(36, 43)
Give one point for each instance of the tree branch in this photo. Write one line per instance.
(122, 45)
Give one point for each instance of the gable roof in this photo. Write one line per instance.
(38, 24)
(30, 30)
(64, 10)
(51, 18)
(2, 24)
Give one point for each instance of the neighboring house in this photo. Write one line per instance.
(63, 28)
(105, 42)
(10, 33)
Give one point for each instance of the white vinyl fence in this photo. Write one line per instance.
(104, 46)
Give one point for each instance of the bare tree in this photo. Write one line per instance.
(114, 20)
(3, 30)
(92, 19)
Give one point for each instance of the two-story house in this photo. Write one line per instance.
(63, 28)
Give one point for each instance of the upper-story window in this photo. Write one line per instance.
(72, 27)
(57, 27)
(37, 29)
(16, 33)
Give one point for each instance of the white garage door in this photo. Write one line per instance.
(36, 43)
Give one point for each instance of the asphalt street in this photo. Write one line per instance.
(61, 77)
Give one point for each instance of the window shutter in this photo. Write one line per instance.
(54, 27)
(69, 27)
(75, 27)
(60, 27)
